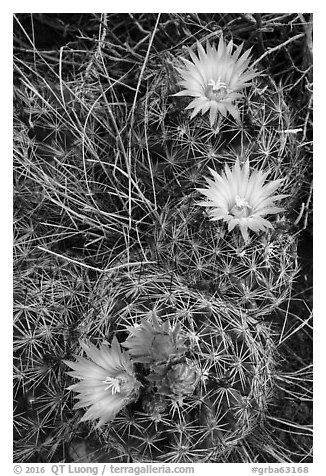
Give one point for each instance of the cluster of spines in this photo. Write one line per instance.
(256, 275)
(48, 302)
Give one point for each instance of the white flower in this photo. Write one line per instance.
(241, 200)
(108, 382)
(215, 79)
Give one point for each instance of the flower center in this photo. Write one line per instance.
(241, 208)
(216, 90)
(113, 384)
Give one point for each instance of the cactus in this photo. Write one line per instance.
(168, 315)
(257, 273)
(183, 149)
(194, 405)
(257, 276)
(212, 387)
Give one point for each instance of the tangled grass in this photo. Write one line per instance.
(106, 162)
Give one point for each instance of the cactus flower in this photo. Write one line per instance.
(215, 79)
(108, 382)
(240, 199)
(152, 341)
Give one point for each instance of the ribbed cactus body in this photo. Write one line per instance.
(209, 393)
(257, 275)
(181, 150)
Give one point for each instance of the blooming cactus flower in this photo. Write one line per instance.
(152, 341)
(108, 382)
(215, 79)
(241, 199)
